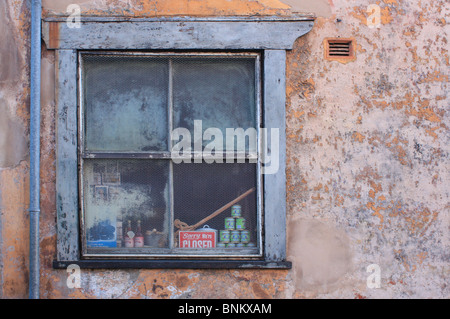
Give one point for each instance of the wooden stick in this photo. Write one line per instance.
(221, 209)
(183, 226)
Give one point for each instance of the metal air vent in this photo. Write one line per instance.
(338, 49)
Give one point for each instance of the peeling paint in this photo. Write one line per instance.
(13, 142)
(321, 8)
(367, 157)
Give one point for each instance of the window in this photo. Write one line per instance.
(140, 124)
(130, 105)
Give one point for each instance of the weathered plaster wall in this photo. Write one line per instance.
(368, 145)
(14, 110)
(368, 158)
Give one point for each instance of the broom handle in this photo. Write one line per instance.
(221, 209)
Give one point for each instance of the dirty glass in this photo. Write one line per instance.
(136, 199)
(125, 100)
(118, 193)
(218, 92)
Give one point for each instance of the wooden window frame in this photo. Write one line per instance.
(270, 36)
(171, 252)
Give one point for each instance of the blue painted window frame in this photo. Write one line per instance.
(271, 36)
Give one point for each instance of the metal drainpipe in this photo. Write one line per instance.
(35, 121)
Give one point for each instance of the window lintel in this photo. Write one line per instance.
(242, 32)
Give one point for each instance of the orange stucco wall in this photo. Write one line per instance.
(367, 157)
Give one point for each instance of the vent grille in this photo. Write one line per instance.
(339, 48)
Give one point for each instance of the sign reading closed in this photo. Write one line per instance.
(197, 239)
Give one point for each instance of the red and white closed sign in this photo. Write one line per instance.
(202, 238)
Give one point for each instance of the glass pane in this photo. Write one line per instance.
(202, 189)
(122, 193)
(220, 92)
(125, 103)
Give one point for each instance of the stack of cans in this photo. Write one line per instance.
(234, 234)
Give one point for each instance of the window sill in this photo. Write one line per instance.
(174, 264)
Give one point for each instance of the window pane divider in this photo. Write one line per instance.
(128, 155)
(169, 143)
(252, 156)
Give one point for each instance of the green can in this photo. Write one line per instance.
(240, 223)
(229, 223)
(231, 245)
(236, 211)
(235, 236)
(245, 236)
(224, 236)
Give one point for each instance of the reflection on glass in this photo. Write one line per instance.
(125, 102)
(126, 198)
(218, 92)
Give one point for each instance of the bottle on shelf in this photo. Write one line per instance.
(139, 237)
(128, 237)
